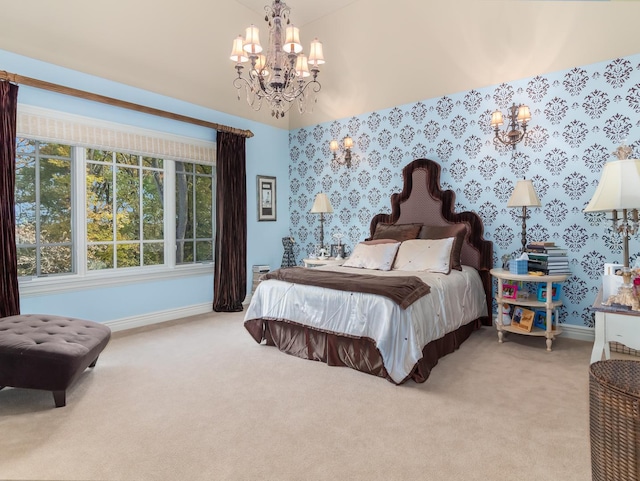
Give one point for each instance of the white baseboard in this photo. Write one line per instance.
(580, 333)
(158, 317)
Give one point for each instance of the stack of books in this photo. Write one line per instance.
(548, 258)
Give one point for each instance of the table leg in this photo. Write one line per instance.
(599, 344)
(499, 317)
(549, 309)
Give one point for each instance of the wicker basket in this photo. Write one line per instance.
(614, 396)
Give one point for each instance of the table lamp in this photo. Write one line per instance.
(524, 195)
(618, 192)
(322, 206)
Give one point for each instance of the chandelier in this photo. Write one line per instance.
(282, 75)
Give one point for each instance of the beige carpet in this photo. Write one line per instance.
(200, 400)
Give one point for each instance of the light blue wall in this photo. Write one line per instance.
(267, 154)
(579, 117)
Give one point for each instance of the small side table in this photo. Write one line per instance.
(619, 325)
(329, 261)
(549, 305)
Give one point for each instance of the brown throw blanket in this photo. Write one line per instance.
(403, 290)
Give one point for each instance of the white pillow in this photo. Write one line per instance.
(373, 256)
(430, 255)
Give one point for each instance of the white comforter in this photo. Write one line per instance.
(455, 299)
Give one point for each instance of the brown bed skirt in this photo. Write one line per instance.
(357, 353)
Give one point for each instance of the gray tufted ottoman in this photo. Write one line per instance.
(48, 352)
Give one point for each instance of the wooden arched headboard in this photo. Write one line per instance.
(423, 201)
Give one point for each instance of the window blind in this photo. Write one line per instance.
(54, 126)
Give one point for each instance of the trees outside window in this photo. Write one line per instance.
(194, 212)
(124, 210)
(120, 203)
(43, 206)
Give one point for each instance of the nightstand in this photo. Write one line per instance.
(613, 324)
(549, 304)
(329, 261)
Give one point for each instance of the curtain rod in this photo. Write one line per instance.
(61, 89)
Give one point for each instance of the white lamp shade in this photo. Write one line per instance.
(292, 40)
(619, 187)
(524, 115)
(252, 40)
(261, 65)
(496, 119)
(237, 53)
(316, 56)
(348, 142)
(524, 195)
(321, 205)
(302, 68)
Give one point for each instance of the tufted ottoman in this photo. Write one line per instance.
(48, 352)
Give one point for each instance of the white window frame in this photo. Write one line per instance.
(199, 152)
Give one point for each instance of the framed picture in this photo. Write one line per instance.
(540, 320)
(337, 250)
(517, 315)
(509, 291)
(526, 320)
(555, 291)
(266, 198)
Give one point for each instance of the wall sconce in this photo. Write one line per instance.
(347, 143)
(519, 116)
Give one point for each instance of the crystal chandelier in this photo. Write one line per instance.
(283, 74)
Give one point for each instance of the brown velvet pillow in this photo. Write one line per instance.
(459, 231)
(398, 232)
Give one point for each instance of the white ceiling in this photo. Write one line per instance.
(302, 11)
(379, 53)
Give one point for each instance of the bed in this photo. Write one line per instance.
(397, 338)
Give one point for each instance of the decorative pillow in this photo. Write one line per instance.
(373, 256)
(430, 255)
(380, 241)
(399, 232)
(458, 231)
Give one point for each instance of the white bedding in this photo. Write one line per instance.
(455, 299)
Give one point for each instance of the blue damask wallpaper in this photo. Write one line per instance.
(579, 117)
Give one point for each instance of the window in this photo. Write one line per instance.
(124, 210)
(194, 212)
(43, 206)
(121, 203)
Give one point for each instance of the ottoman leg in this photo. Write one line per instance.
(60, 398)
(93, 364)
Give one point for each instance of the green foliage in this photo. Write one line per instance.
(124, 209)
(43, 214)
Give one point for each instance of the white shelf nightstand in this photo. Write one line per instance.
(549, 305)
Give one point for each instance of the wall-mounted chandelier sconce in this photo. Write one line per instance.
(519, 116)
(347, 145)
